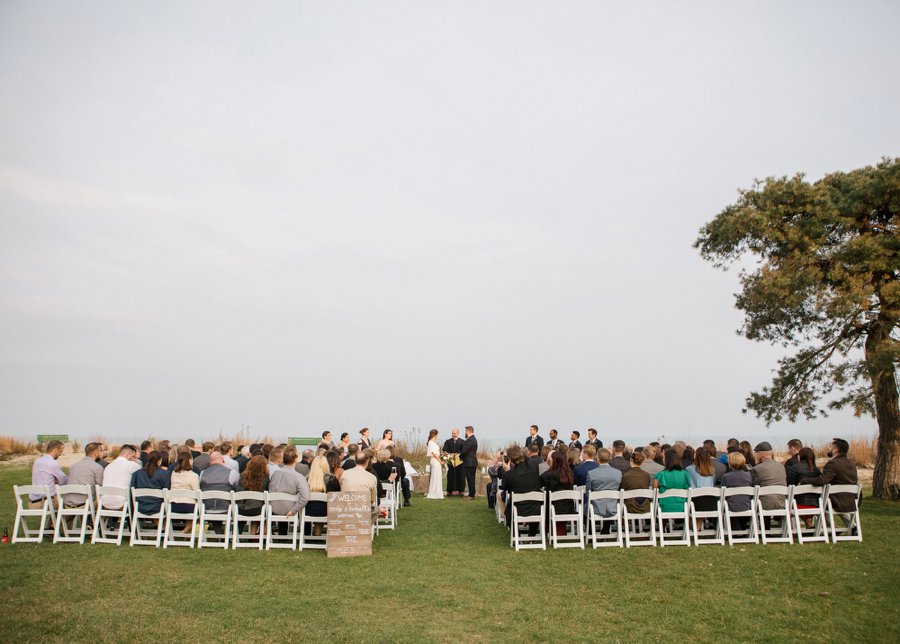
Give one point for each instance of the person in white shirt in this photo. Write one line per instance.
(227, 453)
(47, 471)
(118, 474)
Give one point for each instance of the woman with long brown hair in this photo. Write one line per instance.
(254, 479)
(703, 474)
(747, 451)
(559, 477)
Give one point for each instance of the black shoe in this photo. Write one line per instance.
(406, 504)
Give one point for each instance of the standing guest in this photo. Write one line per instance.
(768, 471)
(554, 441)
(455, 473)
(303, 465)
(559, 477)
(364, 442)
(603, 477)
(534, 438)
(673, 478)
(593, 440)
(275, 460)
(747, 451)
(387, 438)
(636, 478)
(220, 478)
(288, 480)
(576, 440)
(154, 477)
(85, 472)
(618, 460)
(146, 448)
(227, 450)
(738, 476)
(118, 474)
(201, 462)
(359, 479)
(101, 456)
(649, 465)
(47, 471)
(840, 470)
(326, 438)
(544, 459)
(793, 447)
(520, 477)
(254, 479)
(345, 442)
(589, 455)
(703, 474)
(470, 460)
(401, 472)
(323, 481)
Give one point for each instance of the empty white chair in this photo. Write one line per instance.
(152, 536)
(522, 541)
(598, 535)
(812, 495)
(672, 537)
(640, 528)
(309, 522)
(26, 516)
(572, 521)
(110, 522)
(387, 510)
(769, 531)
(173, 536)
(736, 534)
(851, 530)
(274, 521)
(215, 512)
(79, 515)
(716, 535)
(239, 521)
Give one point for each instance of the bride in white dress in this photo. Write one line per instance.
(436, 482)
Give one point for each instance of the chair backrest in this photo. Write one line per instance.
(528, 496)
(217, 495)
(281, 496)
(147, 492)
(318, 496)
(566, 495)
(594, 495)
(37, 490)
(844, 489)
(809, 489)
(179, 496)
(765, 490)
(63, 490)
(739, 491)
(249, 495)
(109, 490)
(696, 492)
(647, 493)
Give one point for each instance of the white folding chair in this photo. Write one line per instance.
(308, 522)
(219, 515)
(240, 538)
(275, 520)
(702, 536)
(737, 535)
(387, 508)
(517, 539)
(633, 522)
(781, 533)
(572, 522)
(596, 534)
(819, 530)
(141, 536)
(173, 537)
(103, 533)
(80, 515)
(24, 513)
(852, 529)
(672, 536)
(499, 505)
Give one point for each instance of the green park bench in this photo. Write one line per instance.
(46, 438)
(312, 442)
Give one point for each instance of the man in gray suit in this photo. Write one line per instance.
(288, 480)
(768, 471)
(604, 477)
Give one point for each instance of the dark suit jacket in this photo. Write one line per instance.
(575, 444)
(535, 439)
(596, 443)
(470, 452)
(620, 463)
(838, 471)
(524, 478)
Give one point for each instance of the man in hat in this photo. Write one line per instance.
(768, 471)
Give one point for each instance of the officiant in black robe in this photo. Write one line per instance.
(456, 475)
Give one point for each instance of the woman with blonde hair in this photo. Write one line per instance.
(320, 480)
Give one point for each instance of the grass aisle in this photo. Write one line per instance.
(448, 574)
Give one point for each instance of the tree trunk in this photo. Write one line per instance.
(886, 482)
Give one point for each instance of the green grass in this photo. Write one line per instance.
(448, 574)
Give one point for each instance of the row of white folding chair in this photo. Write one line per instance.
(386, 518)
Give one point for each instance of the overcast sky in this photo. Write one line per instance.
(298, 216)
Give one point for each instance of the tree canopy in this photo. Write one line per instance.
(825, 284)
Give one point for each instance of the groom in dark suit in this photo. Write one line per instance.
(470, 460)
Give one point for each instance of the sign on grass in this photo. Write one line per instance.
(349, 524)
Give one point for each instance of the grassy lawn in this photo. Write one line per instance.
(448, 574)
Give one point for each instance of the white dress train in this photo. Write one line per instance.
(436, 482)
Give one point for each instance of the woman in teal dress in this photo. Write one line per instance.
(672, 478)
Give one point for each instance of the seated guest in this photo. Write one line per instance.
(603, 477)
(220, 478)
(687, 457)
(227, 450)
(190, 445)
(573, 455)
(793, 447)
(636, 478)
(101, 456)
(533, 454)
(747, 451)
(618, 460)
(350, 460)
(243, 457)
(766, 472)
(184, 477)
(305, 461)
(559, 477)
(799, 472)
(703, 474)
(385, 469)
(521, 477)
(334, 464)
(254, 479)
(649, 465)
(359, 479)
(738, 476)
(672, 478)
(288, 480)
(118, 474)
(840, 470)
(320, 480)
(201, 462)
(401, 472)
(732, 443)
(275, 460)
(146, 448)
(543, 463)
(495, 470)
(87, 471)
(589, 455)
(47, 471)
(152, 476)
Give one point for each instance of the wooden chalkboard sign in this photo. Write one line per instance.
(349, 524)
